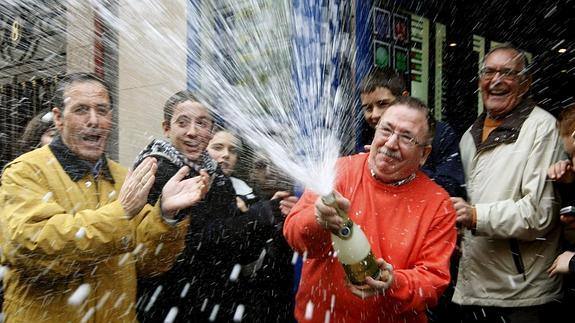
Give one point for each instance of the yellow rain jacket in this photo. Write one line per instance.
(71, 254)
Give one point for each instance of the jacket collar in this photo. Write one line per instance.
(507, 132)
(75, 167)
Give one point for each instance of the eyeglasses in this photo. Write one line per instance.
(488, 73)
(404, 139)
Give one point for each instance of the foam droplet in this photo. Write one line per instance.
(79, 295)
(81, 233)
(239, 314)
(171, 315)
(235, 272)
(47, 197)
(308, 311)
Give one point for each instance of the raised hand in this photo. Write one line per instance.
(287, 201)
(180, 193)
(134, 193)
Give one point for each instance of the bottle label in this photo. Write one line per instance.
(358, 272)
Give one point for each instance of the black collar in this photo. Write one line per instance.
(507, 132)
(75, 167)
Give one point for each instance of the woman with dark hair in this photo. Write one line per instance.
(38, 132)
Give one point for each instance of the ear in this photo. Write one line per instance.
(166, 128)
(424, 155)
(404, 93)
(58, 119)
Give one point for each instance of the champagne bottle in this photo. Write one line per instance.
(352, 248)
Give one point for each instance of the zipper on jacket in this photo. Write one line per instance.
(517, 259)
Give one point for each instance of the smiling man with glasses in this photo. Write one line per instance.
(408, 219)
(378, 91)
(509, 222)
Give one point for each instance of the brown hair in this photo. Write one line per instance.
(176, 99)
(567, 121)
(520, 55)
(385, 78)
(34, 130)
(79, 77)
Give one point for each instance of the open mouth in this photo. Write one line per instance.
(191, 144)
(498, 92)
(91, 138)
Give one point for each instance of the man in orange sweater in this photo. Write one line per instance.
(407, 218)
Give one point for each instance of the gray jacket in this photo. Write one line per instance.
(506, 182)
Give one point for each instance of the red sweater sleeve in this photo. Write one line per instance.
(422, 285)
(301, 230)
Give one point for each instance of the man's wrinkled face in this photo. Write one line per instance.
(190, 129)
(224, 148)
(85, 120)
(502, 83)
(399, 146)
(373, 104)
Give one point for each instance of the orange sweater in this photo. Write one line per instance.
(411, 226)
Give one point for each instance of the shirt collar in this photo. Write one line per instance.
(397, 183)
(75, 167)
(507, 132)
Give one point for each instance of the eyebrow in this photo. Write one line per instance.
(182, 118)
(401, 132)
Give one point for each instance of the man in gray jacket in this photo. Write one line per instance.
(509, 223)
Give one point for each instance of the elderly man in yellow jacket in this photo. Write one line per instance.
(75, 229)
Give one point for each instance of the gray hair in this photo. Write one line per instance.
(508, 47)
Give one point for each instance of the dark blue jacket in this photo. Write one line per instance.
(444, 163)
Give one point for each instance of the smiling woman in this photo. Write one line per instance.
(225, 148)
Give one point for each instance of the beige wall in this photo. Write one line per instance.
(80, 37)
(152, 66)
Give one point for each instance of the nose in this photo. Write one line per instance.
(496, 77)
(93, 119)
(192, 131)
(225, 153)
(392, 141)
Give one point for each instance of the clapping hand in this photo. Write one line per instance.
(134, 192)
(180, 193)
